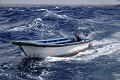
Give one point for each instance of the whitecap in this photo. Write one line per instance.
(34, 24)
(117, 76)
(94, 33)
(21, 28)
(100, 48)
(10, 8)
(56, 7)
(35, 77)
(41, 10)
(49, 13)
(21, 10)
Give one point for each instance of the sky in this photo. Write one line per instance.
(71, 2)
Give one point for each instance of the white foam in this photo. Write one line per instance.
(54, 59)
(94, 33)
(41, 10)
(117, 35)
(21, 28)
(49, 13)
(56, 7)
(10, 8)
(100, 48)
(105, 50)
(22, 10)
(33, 24)
(34, 77)
(36, 22)
(117, 76)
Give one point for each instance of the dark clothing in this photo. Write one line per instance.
(78, 38)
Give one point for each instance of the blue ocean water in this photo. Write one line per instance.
(100, 23)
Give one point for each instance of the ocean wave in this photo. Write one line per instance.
(52, 15)
(35, 23)
(104, 47)
(100, 48)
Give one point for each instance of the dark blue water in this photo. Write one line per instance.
(102, 24)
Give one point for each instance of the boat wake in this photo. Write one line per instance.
(104, 47)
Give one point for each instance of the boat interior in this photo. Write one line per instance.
(62, 40)
(57, 41)
(70, 40)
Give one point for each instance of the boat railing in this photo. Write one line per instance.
(57, 41)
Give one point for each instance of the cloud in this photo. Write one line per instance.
(87, 2)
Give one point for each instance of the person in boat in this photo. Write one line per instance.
(78, 38)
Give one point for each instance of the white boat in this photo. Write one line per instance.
(60, 47)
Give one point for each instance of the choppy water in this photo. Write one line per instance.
(102, 24)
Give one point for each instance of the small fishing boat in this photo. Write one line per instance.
(60, 47)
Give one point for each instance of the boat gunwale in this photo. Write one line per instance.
(49, 44)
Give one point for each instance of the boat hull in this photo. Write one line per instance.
(64, 51)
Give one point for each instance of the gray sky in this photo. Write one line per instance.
(71, 2)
